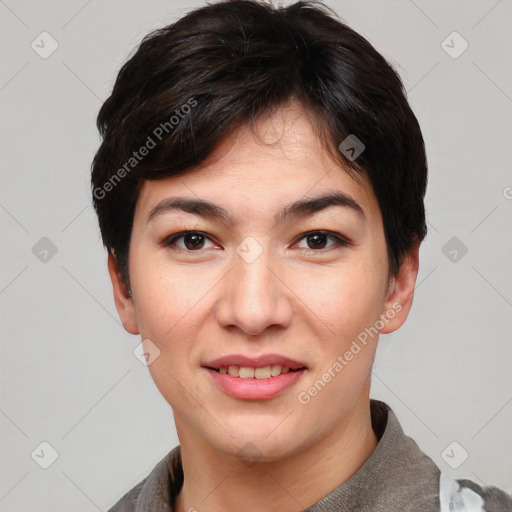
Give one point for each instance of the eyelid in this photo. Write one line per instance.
(169, 240)
(341, 241)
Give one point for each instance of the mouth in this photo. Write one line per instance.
(249, 372)
(254, 379)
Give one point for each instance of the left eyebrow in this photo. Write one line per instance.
(298, 209)
(312, 205)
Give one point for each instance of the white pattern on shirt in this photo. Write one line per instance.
(454, 498)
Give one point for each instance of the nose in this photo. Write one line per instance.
(254, 296)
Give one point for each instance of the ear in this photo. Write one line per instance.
(400, 293)
(122, 298)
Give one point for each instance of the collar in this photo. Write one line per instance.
(396, 476)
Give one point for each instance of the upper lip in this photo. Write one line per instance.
(254, 362)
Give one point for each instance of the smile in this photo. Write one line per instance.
(247, 372)
(247, 383)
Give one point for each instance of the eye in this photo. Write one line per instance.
(316, 240)
(193, 241)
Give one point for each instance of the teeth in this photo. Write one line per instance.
(233, 371)
(262, 373)
(275, 370)
(246, 372)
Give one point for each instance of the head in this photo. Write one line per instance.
(285, 143)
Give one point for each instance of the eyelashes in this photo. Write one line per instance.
(340, 241)
(171, 241)
(197, 239)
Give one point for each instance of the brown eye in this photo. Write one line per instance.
(317, 240)
(193, 241)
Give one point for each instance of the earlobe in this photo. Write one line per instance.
(401, 293)
(122, 298)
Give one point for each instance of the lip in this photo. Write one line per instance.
(254, 362)
(254, 389)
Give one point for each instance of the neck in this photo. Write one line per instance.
(216, 482)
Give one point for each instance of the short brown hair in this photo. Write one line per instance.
(192, 83)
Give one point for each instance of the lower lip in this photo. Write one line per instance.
(255, 389)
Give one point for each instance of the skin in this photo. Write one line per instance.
(295, 299)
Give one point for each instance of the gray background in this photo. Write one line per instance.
(68, 373)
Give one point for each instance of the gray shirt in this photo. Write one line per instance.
(397, 477)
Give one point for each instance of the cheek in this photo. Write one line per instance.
(347, 298)
(350, 303)
(166, 298)
(171, 307)
(168, 311)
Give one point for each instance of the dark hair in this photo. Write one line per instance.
(192, 83)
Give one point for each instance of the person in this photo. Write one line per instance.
(259, 188)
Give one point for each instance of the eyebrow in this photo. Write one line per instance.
(298, 209)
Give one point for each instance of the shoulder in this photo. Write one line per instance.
(158, 490)
(467, 496)
(417, 483)
(129, 501)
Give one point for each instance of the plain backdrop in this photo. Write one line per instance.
(69, 377)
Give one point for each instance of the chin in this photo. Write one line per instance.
(252, 445)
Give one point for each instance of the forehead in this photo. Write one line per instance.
(254, 172)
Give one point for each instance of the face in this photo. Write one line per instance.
(279, 279)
